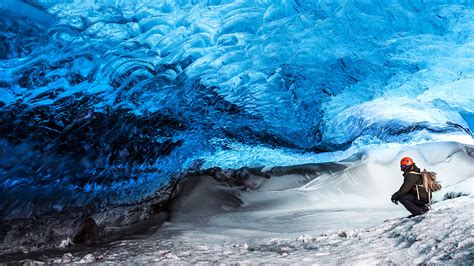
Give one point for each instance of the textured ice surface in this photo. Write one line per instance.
(103, 101)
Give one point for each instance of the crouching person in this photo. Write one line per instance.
(411, 194)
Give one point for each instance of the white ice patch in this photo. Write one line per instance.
(87, 259)
(66, 243)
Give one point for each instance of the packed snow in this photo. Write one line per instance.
(443, 235)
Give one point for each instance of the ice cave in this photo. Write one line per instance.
(235, 131)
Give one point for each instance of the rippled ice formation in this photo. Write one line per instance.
(103, 101)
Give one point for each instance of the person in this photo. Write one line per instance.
(414, 199)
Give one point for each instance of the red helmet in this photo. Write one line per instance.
(406, 161)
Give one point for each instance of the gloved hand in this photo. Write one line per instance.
(394, 200)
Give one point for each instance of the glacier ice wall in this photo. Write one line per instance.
(103, 101)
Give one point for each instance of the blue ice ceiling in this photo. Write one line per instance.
(103, 101)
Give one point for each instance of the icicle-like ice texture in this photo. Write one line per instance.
(102, 102)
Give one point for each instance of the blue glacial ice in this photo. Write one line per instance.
(102, 102)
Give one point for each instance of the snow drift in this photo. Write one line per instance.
(362, 183)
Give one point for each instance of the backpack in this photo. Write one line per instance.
(429, 183)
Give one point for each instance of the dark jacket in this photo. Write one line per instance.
(409, 182)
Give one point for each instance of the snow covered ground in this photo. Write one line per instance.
(444, 235)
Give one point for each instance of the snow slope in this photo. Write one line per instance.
(444, 235)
